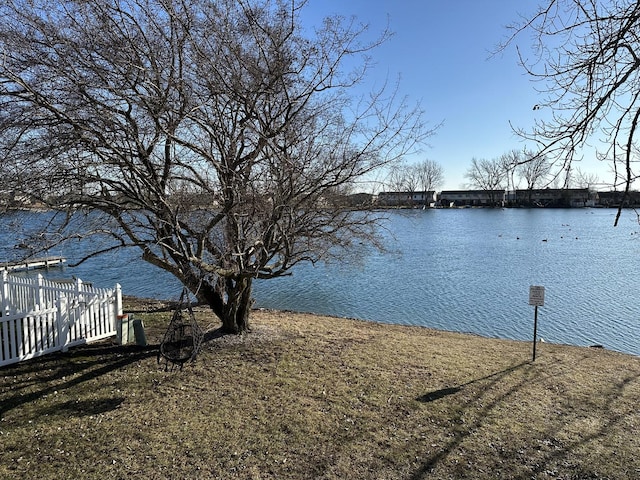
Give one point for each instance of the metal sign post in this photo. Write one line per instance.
(536, 298)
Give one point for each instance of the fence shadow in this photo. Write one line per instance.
(33, 379)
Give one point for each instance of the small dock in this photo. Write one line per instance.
(34, 263)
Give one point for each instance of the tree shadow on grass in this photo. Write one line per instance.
(28, 381)
(214, 334)
(444, 392)
(610, 419)
(438, 394)
(459, 436)
(545, 453)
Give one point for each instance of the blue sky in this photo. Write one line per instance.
(442, 51)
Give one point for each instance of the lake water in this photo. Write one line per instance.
(465, 270)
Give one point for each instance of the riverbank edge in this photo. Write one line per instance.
(149, 306)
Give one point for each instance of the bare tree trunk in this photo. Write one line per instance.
(231, 301)
(238, 306)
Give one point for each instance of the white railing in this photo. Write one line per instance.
(39, 316)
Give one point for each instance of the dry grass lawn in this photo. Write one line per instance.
(313, 397)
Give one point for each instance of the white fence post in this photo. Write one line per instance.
(39, 300)
(78, 286)
(118, 300)
(63, 322)
(79, 314)
(5, 293)
(5, 343)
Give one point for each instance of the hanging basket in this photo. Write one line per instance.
(183, 337)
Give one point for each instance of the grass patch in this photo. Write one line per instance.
(315, 397)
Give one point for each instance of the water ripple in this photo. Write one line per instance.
(470, 270)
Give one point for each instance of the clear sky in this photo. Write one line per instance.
(442, 51)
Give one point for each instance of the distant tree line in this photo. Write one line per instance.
(424, 176)
(523, 170)
(515, 169)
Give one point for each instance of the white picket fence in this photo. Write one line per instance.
(39, 316)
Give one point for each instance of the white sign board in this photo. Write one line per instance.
(536, 295)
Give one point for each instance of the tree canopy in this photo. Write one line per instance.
(212, 136)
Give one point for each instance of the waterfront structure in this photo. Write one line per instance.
(472, 198)
(556, 197)
(34, 263)
(407, 199)
(619, 198)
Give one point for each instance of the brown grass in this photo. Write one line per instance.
(325, 398)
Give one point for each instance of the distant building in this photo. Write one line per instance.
(543, 197)
(472, 198)
(357, 200)
(618, 199)
(557, 197)
(406, 199)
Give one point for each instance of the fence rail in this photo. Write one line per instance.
(39, 316)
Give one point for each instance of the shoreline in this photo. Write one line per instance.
(149, 306)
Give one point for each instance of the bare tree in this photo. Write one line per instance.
(412, 178)
(411, 181)
(429, 174)
(534, 169)
(582, 179)
(487, 175)
(208, 135)
(510, 161)
(586, 59)
(398, 177)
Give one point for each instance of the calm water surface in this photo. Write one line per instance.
(465, 270)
